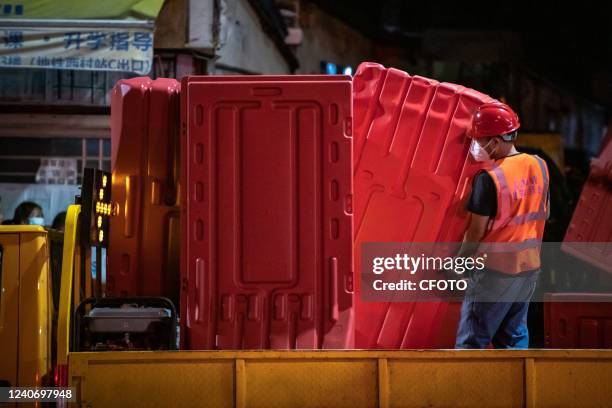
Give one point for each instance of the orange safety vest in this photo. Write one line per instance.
(513, 239)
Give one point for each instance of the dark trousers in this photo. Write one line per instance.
(494, 310)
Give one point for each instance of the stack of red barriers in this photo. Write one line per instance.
(274, 171)
(411, 176)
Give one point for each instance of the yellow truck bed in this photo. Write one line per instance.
(490, 378)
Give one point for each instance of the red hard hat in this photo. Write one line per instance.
(493, 119)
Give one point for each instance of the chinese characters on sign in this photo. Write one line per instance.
(118, 41)
(11, 10)
(118, 49)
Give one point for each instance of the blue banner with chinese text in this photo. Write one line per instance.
(97, 45)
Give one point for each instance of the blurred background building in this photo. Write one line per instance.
(59, 62)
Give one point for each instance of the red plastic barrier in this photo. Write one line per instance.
(411, 180)
(143, 253)
(446, 331)
(267, 212)
(570, 323)
(592, 219)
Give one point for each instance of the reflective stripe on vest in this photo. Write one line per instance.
(515, 235)
(501, 247)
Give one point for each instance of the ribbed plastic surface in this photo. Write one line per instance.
(592, 219)
(578, 320)
(144, 242)
(411, 178)
(267, 258)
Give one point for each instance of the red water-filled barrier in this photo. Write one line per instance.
(144, 243)
(411, 179)
(266, 185)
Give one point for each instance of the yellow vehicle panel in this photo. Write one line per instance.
(28, 311)
(35, 309)
(549, 143)
(465, 378)
(70, 263)
(9, 306)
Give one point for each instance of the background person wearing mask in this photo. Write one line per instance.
(508, 208)
(28, 213)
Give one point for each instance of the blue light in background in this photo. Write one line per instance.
(331, 68)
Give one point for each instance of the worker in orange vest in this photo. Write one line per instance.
(508, 207)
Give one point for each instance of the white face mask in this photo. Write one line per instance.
(478, 152)
(36, 221)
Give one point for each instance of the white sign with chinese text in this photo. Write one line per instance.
(77, 44)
